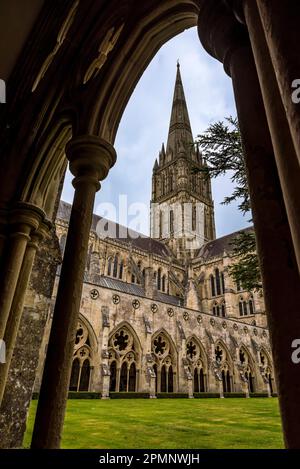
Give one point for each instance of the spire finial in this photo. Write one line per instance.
(178, 64)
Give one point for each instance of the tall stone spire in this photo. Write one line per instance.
(180, 132)
(182, 209)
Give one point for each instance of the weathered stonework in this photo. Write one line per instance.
(24, 365)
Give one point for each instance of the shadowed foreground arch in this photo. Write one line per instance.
(112, 43)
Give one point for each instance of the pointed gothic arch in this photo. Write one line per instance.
(84, 356)
(225, 364)
(164, 353)
(247, 363)
(125, 354)
(198, 364)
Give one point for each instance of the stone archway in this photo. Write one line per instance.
(125, 354)
(197, 363)
(165, 362)
(91, 90)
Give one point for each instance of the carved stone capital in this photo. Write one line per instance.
(27, 219)
(220, 32)
(90, 159)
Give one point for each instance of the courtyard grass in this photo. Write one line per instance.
(169, 423)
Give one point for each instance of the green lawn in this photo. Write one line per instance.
(170, 423)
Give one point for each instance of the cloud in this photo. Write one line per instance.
(145, 122)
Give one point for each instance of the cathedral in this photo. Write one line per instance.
(131, 315)
(160, 314)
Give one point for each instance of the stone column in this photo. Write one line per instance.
(228, 41)
(282, 327)
(14, 319)
(280, 21)
(90, 160)
(105, 371)
(285, 154)
(23, 220)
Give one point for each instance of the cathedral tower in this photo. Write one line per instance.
(182, 211)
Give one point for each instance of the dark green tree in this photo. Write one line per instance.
(222, 150)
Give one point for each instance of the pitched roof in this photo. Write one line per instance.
(120, 233)
(217, 247)
(130, 288)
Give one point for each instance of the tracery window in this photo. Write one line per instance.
(165, 363)
(224, 364)
(219, 309)
(123, 361)
(217, 283)
(247, 368)
(195, 358)
(266, 369)
(246, 307)
(82, 359)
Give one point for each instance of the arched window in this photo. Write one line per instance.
(226, 381)
(109, 266)
(85, 376)
(195, 358)
(212, 286)
(155, 371)
(163, 283)
(199, 380)
(139, 266)
(241, 310)
(74, 375)
(161, 224)
(123, 361)
(163, 379)
(81, 366)
(194, 218)
(123, 378)
(216, 309)
(113, 376)
(222, 283)
(170, 379)
(116, 263)
(165, 363)
(121, 268)
(171, 221)
(251, 306)
(245, 309)
(218, 282)
(159, 279)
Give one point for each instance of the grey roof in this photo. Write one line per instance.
(114, 284)
(137, 240)
(130, 288)
(217, 247)
(173, 300)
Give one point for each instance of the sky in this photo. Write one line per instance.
(144, 127)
